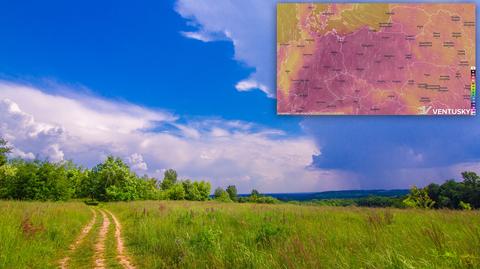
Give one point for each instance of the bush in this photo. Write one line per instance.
(266, 200)
(418, 198)
(91, 202)
(465, 206)
(256, 197)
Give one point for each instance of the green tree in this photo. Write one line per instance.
(80, 178)
(451, 193)
(470, 178)
(148, 188)
(191, 190)
(169, 179)
(176, 192)
(255, 193)
(433, 191)
(36, 180)
(418, 198)
(4, 150)
(115, 176)
(203, 188)
(232, 192)
(26, 185)
(7, 181)
(471, 193)
(54, 182)
(221, 195)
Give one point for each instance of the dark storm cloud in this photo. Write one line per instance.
(378, 148)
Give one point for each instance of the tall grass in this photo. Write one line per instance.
(36, 234)
(218, 235)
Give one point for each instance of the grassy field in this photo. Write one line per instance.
(213, 235)
(35, 234)
(171, 234)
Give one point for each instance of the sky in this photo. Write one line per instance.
(190, 85)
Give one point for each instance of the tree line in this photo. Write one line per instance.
(111, 180)
(230, 195)
(451, 194)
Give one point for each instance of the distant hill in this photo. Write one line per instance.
(348, 194)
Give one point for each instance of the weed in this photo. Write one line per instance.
(29, 229)
(436, 235)
(186, 218)
(378, 220)
(206, 239)
(268, 233)
(162, 207)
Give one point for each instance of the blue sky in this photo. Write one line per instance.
(190, 85)
(136, 53)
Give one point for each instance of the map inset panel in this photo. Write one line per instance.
(376, 59)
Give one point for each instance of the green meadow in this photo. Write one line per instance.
(35, 234)
(187, 234)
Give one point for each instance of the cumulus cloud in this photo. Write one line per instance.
(137, 163)
(20, 128)
(86, 129)
(54, 153)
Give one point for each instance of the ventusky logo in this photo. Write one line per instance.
(424, 110)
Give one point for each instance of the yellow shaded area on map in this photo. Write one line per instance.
(289, 66)
(349, 18)
(287, 22)
(344, 18)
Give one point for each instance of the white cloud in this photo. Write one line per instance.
(248, 24)
(86, 129)
(248, 85)
(137, 163)
(198, 36)
(54, 153)
(17, 153)
(20, 128)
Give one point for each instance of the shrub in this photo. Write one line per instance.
(465, 206)
(418, 198)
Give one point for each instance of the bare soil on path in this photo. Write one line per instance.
(122, 256)
(99, 256)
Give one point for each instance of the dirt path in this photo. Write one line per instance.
(122, 256)
(86, 229)
(99, 256)
(99, 259)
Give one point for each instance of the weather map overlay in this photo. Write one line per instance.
(376, 59)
